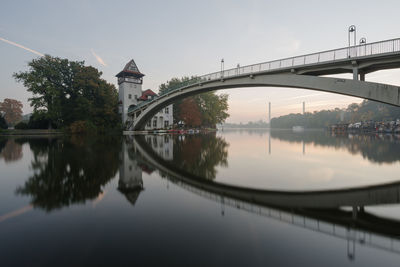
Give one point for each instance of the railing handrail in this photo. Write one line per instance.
(241, 70)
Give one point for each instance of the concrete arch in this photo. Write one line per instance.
(384, 93)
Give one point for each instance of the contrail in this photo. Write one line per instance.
(21, 46)
(15, 213)
(99, 59)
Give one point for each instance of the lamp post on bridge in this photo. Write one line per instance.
(363, 41)
(352, 29)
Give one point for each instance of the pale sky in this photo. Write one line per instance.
(178, 38)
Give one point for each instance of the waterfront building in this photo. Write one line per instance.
(130, 81)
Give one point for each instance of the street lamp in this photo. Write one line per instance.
(363, 41)
(222, 67)
(352, 29)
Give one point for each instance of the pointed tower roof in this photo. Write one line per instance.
(130, 69)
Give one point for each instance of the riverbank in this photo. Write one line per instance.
(30, 132)
(171, 131)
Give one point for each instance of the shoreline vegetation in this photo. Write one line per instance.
(69, 97)
(355, 114)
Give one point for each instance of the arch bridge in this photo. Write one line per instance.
(295, 72)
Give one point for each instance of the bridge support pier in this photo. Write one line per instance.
(355, 73)
(362, 76)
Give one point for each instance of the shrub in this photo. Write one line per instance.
(21, 125)
(82, 127)
(39, 120)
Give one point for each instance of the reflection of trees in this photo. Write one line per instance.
(68, 171)
(10, 150)
(201, 154)
(374, 147)
(3, 142)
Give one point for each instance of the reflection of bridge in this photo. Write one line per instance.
(296, 72)
(320, 211)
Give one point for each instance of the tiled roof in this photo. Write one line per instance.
(146, 94)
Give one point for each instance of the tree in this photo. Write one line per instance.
(190, 113)
(12, 110)
(173, 84)
(213, 107)
(67, 91)
(3, 123)
(365, 111)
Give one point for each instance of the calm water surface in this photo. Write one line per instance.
(238, 198)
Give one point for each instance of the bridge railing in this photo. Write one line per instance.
(352, 52)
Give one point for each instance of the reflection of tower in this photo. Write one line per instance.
(130, 174)
(304, 107)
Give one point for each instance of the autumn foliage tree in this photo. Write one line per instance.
(206, 109)
(189, 112)
(12, 110)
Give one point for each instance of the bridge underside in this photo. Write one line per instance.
(384, 93)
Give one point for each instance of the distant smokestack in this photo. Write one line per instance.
(304, 107)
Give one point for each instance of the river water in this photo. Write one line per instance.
(235, 198)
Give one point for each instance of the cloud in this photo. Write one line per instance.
(321, 174)
(288, 46)
(98, 58)
(21, 46)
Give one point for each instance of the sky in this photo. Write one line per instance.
(183, 38)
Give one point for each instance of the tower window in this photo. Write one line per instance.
(135, 97)
(166, 110)
(166, 124)
(130, 96)
(155, 123)
(149, 123)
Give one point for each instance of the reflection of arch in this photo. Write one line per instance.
(327, 219)
(374, 91)
(322, 199)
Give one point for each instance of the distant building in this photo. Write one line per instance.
(130, 81)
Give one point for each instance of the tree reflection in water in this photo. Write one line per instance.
(378, 148)
(69, 171)
(200, 154)
(10, 150)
